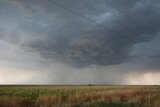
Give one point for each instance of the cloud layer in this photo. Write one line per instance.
(37, 34)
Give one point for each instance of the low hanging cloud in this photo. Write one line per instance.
(39, 34)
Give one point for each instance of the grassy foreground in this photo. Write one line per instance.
(80, 96)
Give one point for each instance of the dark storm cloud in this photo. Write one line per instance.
(60, 36)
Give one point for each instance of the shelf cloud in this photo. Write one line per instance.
(39, 37)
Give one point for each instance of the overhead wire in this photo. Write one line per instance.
(127, 16)
(98, 24)
(122, 26)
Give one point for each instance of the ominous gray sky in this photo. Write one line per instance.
(43, 43)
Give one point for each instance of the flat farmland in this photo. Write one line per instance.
(79, 96)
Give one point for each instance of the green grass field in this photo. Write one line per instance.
(80, 96)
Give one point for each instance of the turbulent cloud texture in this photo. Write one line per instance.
(38, 34)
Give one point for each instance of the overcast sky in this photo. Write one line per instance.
(79, 41)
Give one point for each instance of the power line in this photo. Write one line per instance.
(127, 16)
(97, 10)
(102, 26)
(85, 3)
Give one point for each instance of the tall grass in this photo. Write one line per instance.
(80, 96)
